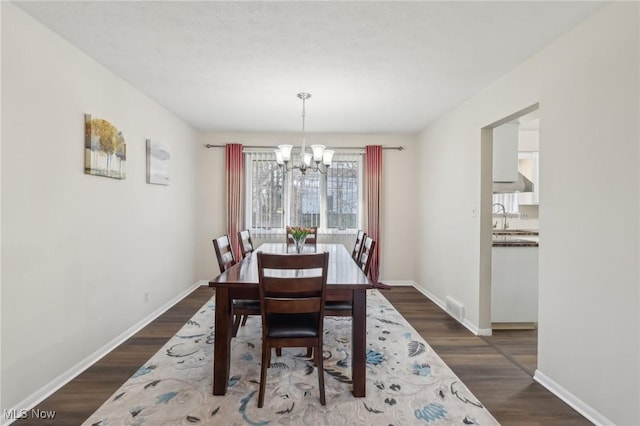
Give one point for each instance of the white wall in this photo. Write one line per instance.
(79, 251)
(586, 83)
(398, 193)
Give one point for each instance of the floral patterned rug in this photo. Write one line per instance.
(407, 382)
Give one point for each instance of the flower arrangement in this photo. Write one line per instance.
(298, 232)
(299, 235)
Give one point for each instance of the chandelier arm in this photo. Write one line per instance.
(321, 168)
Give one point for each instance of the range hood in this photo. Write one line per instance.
(523, 184)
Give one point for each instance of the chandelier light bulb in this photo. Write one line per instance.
(318, 150)
(279, 159)
(307, 158)
(327, 157)
(285, 150)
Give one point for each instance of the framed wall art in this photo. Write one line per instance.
(158, 157)
(104, 148)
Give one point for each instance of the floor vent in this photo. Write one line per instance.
(455, 309)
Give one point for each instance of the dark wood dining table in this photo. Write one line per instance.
(345, 282)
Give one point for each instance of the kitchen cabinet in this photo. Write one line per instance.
(514, 285)
(505, 153)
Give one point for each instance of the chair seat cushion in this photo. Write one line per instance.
(246, 304)
(338, 306)
(293, 325)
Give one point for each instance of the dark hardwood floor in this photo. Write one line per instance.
(497, 369)
(518, 346)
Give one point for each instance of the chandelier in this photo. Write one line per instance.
(321, 156)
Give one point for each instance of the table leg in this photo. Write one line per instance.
(222, 344)
(359, 343)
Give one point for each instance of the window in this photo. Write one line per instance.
(343, 192)
(332, 202)
(265, 193)
(508, 200)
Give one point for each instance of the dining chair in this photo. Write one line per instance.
(366, 254)
(224, 252)
(292, 295)
(339, 308)
(241, 308)
(246, 243)
(357, 247)
(364, 261)
(312, 238)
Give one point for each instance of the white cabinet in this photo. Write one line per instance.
(505, 153)
(514, 284)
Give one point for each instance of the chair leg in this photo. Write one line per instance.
(278, 351)
(309, 351)
(320, 364)
(266, 352)
(244, 320)
(236, 325)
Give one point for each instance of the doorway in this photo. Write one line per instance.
(509, 236)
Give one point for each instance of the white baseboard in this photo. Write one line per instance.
(399, 283)
(471, 327)
(34, 399)
(570, 399)
(475, 330)
(431, 297)
(484, 331)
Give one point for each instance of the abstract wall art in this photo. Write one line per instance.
(158, 158)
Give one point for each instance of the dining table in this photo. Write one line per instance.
(346, 282)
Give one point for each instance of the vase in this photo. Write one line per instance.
(299, 243)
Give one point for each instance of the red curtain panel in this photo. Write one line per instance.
(234, 166)
(373, 182)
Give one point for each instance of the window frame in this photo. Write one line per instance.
(323, 228)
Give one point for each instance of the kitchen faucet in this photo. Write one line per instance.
(505, 225)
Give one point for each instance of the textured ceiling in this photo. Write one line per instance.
(371, 67)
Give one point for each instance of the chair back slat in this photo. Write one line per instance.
(312, 238)
(293, 306)
(305, 286)
(224, 252)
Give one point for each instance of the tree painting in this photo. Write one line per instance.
(105, 149)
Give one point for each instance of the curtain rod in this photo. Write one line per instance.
(399, 148)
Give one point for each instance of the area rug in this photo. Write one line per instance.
(407, 382)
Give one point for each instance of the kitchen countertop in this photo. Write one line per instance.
(515, 238)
